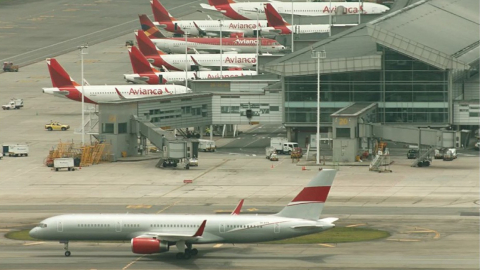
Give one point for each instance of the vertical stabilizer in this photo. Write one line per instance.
(58, 75)
(275, 20)
(308, 204)
(160, 14)
(140, 64)
(149, 28)
(146, 46)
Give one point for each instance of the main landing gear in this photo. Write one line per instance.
(187, 253)
(65, 246)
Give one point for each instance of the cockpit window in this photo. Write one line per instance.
(42, 225)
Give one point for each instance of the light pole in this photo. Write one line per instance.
(83, 50)
(293, 26)
(221, 50)
(330, 19)
(318, 55)
(186, 59)
(256, 65)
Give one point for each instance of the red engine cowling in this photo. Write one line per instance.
(237, 35)
(148, 246)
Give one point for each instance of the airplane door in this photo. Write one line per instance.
(118, 226)
(276, 228)
(222, 228)
(59, 226)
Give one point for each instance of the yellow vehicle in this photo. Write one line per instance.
(56, 126)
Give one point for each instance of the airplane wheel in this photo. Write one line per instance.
(194, 252)
(67, 253)
(187, 256)
(180, 255)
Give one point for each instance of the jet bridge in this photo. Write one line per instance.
(356, 128)
(173, 150)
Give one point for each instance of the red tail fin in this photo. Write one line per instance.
(275, 20)
(58, 75)
(220, 2)
(146, 46)
(160, 13)
(150, 30)
(140, 65)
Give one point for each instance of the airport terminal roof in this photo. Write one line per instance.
(442, 33)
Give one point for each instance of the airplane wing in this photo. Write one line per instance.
(206, 6)
(173, 237)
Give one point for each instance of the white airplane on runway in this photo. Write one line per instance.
(232, 28)
(155, 233)
(64, 86)
(201, 61)
(145, 73)
(208, 45)
(250, 10)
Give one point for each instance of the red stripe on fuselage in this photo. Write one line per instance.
(76, 95)
(312, 194)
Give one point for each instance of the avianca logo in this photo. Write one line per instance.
(240, 60)
(245, 41)
(350, 10)
(243, 26)
(210, 76)
(148, 92)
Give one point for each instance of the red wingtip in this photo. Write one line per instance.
(195, 61)
(201, 229)
(160, 13)
(238, 208)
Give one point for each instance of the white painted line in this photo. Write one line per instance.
(218, 245)
(33, 243)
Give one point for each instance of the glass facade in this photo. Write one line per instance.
(406, 91)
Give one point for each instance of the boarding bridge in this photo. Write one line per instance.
(356, 130)
(173, 150)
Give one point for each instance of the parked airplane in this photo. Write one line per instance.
(280, 26)
(145, 73)
(155, 233)
(195, 61)
(178, 45)
(232, 28)
(250, 10)
(64, 86)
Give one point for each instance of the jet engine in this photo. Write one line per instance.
(148, 246)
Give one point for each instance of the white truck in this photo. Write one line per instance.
(206, 145)
(63, 163)
(18, 150)
(15, 103)
(282, 145)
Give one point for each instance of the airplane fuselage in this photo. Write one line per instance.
(218, 229)
(205, 61)
(239, 45)
(179, 76)
(248, 10)
(107, 93)
(297, 29)
(212, 27)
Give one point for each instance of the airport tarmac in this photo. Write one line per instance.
(431, 213)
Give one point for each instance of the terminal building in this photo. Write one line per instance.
(414, 67)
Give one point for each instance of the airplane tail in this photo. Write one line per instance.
(149, 28)
(160, 13)
(275, 20)
(308, 204)
(146, 46)
(59, 76)
(140, 64)
(220, 2)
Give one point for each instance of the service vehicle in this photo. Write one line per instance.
(477, 145)
(439, 153)
(269, 150)
(15, 103)
(282, 145)
(448, 156)
(412, 154)
(63, 163)
(18, 150)
(193, 162)
(56, 126)
(206, 145)
(10, 67)
(454, 152)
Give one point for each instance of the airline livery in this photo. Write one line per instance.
(179, 45)
(156, 233)
(145, 73)
(280, 26)
(211, 28)
(64, 86)
(200, 61)
(250, 10)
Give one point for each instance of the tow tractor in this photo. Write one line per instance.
(10, 67)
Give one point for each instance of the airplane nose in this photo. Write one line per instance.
(33, 233)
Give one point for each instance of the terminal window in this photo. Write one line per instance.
(122, 128)
(107, 128)
(343, 132)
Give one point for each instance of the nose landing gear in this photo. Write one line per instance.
(65, 247)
